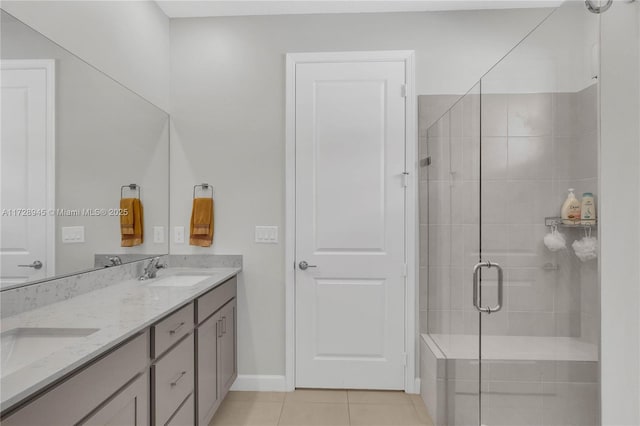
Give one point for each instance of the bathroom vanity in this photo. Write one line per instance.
(160, 352)
(83, 340)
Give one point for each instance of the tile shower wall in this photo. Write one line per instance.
(534, 147)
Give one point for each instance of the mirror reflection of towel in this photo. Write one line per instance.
(131, 224)
(201, 222)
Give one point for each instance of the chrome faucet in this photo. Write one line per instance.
(113, 261)
(151, 269)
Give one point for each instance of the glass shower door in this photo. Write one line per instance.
(451, 174)
(538, 305)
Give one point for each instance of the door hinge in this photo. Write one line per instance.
(405, 270)
(405, 359)
(405, 179)
(403, 90)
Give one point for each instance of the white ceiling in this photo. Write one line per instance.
(192, 9)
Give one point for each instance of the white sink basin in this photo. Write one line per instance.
(179, 280)
(23, 346)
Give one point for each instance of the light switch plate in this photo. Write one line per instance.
(267, 234)
(178, 234)
(72, 234)
(158, 234)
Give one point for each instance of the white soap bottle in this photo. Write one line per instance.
(570, 212)
(588, 211)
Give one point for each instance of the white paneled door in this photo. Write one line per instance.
(26, 153)
(350, 225)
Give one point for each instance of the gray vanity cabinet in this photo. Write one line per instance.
(227, 347)
(172, 381)
(216, 348)
(168, 375)
(110, 391)
(129, 407)
(185, 415)
(172, 369)
(208, 397)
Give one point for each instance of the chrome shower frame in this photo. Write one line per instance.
(598, 9)
(601, 9)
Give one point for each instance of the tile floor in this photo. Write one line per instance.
(311, 407)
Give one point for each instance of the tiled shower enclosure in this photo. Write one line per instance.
(495, 167)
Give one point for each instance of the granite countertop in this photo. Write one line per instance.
(118, 312)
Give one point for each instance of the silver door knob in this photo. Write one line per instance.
(35, 265)
(304, 265)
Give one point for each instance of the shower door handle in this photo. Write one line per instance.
(476, 293)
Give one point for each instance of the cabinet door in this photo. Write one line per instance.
(227, 347)
(207, 335)
(129, 407)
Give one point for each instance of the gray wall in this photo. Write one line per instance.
(129, 40)
(227, 100)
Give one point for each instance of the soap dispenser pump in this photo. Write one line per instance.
(570, 212)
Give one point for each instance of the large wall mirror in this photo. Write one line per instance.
(74, 142)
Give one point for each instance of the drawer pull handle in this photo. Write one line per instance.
(224, 325)
(172, 332)
(219, 328)
(175, 382)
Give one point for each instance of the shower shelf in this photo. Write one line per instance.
(557, 221)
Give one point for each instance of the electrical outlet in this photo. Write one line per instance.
(178, 234)
(267, 234)
(158, 234)
(73, 234)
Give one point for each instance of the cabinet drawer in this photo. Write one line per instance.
(185, 415)
(216, 298)
(173, 377)
(171, 329)
(87, 389)
(129, 407)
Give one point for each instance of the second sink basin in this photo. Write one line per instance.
(23, 346)
(179, 280)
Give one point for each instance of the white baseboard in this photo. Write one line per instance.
(416, 388)
(267, 383)
(413, 387)
(258, 382)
